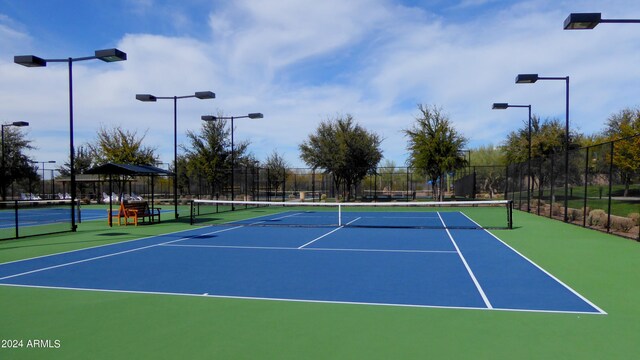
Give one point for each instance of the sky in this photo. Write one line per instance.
(303, 62)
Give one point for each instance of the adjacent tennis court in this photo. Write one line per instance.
(438, 259)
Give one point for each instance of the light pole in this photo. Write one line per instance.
(502, 106)
(530, 79)
(2, 126)
(45, 162)
(107, 55)
(233, 155)
(151, 98)
(52, 182)
(588, 21)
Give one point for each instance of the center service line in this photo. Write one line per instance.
(466, 265)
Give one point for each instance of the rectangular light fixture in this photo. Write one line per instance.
(500, 106)
(582, 21)
(110, 55)
(29, 61)
(205, 95)
(526, 78)
(145, 97)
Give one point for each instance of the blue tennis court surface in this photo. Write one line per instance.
(451, 268)
(45, 215)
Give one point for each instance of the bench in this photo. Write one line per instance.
(134, 210)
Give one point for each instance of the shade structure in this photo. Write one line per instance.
(127, 169)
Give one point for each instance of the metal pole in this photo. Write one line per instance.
(506, 183)
(552, 181)
(43, 178)
(610, 186)
(586, 182)
(53, 183)
(566, 159)
(2, 185)
(233, 162)
(175, 155)
(540, 188)
(529, 166)
(72, 166)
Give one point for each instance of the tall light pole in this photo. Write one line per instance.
(45, 162)
(107, 55)
(233, 154)
(151, 98)
(530, 79)
(502, 106)
(3, 177)
(588, 21)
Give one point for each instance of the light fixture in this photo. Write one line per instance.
(107, 55)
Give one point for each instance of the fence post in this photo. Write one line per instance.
(15, 208)
(586, 182)
(540, 188)
(506, 182)
(284, 184)
(552, 180)
(610, 184)
(313, 185)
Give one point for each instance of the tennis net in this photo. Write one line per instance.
(495, 214)
(19, 218)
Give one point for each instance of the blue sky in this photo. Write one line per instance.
(301, 62)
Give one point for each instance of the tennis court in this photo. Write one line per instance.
(46, 215)
(444, 261)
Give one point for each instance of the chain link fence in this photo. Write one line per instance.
(601, 189)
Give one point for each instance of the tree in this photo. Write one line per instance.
(184, 181)
(17, 166)
(547, 141)
(209, 153)
(83, 161)
(435, 147)
(489, 164)
(121, 146)
(277, 170)
(625, 128)
(343, 148)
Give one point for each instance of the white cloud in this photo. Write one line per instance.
(301, 62)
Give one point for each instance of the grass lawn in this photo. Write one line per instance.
(109, 325)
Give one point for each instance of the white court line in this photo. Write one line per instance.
(234, 297)
(242, 221)
(96, 247)
(311, 249)
(284, 217)
(466, 265)
(539, 267)
(320, 237)
(109, 255)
